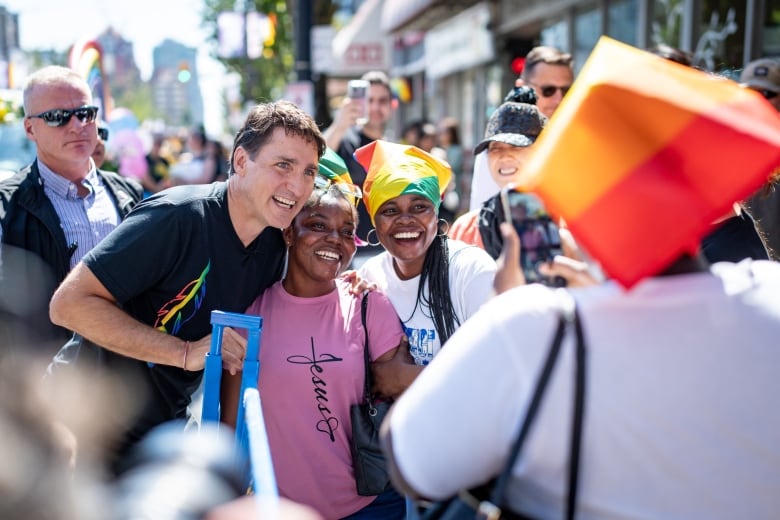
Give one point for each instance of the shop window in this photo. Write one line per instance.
(587, 30)
(667, 22)
(719, 42)
(621, 22)
(770, 41)
(556, 34)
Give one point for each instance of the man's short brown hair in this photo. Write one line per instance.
(544, 54)
(264, 118)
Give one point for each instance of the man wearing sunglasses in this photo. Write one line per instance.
(549, 72)
(763, 76)
(60, 206)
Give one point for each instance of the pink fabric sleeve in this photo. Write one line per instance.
(384, 327)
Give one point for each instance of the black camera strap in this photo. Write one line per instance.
(567, 316)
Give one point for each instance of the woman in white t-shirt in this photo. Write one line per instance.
(434, 283)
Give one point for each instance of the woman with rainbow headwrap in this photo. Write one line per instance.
(434, 283)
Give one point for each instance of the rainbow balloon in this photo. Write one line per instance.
(86, 58)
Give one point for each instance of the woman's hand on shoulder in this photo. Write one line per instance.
(358, 285)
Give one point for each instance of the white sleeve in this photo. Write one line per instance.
(472, 271)
(453, 426)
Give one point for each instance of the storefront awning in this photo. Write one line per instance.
(419, 14)
(397, 13)
(461, 42)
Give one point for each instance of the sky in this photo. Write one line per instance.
(57, 24)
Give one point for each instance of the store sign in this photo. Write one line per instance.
(460, 43)
(360, 47)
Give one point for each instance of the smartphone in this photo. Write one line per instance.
(539, 239)
(357, 89)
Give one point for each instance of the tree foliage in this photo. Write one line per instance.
(262, 79)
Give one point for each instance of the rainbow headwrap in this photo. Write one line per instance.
(398, 169)
(333, 167)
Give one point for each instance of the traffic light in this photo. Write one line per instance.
(184, 74)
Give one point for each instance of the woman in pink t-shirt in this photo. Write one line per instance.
(311, 362)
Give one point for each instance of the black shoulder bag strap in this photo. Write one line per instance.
(567, 316)
(366, 359)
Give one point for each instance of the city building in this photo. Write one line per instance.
(119, 62)
(9, 46)
(175, 88)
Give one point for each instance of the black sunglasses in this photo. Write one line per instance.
(550, 90)
(103, 133)
(61, 116)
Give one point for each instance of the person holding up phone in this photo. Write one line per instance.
(362, 119)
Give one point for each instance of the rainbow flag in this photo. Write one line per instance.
(644, 154)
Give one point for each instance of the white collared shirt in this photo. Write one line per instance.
(85, 221)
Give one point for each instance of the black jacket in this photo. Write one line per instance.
(30, 223)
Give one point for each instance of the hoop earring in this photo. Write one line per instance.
(444, 226)
(368, 238)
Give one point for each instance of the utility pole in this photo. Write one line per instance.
(248, 79)
(304, 17)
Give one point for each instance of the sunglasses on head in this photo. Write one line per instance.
(550, 90)
(350, 191)
(61, 116)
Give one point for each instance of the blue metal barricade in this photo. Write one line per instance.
(262, 471)
(251, 435)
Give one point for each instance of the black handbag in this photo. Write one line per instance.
(368, 461)
(485, 502)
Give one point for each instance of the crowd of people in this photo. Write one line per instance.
(115, 278)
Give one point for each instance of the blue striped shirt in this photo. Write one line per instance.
(85, 221)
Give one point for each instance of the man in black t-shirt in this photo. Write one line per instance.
(345, 135)
(146, 293)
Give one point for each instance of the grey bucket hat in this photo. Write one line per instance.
(518, 124)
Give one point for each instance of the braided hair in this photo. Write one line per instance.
(436, 272)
